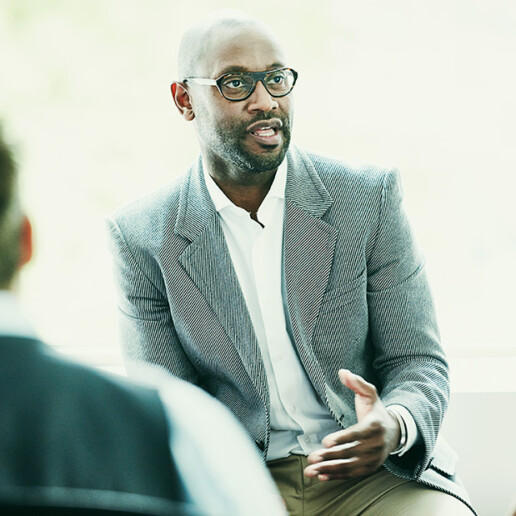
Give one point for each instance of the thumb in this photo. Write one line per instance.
(366, 396)
(357, 384)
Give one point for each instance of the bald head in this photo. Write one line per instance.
(209, 38)
(232, 42)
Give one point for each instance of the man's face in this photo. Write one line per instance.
(231, 131)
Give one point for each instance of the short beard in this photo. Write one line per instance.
(228, 144)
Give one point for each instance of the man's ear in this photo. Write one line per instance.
(182, 100)
(26, 246)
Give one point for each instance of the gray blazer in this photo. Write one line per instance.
(356, 297)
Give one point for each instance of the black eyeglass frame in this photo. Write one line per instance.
(256, 76)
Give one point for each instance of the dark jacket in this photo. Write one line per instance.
(65, 425)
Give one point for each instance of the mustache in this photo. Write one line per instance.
(268, 116)
(285, 120)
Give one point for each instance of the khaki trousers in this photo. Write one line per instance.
(379, 494)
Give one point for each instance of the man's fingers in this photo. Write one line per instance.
(361, 449)
(357, 384)
(341, 451)
(330, 466)
(359, 432)
(343, 468)
(356, 473)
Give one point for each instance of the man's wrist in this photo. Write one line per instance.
(402, 444)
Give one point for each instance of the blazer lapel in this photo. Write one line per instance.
(309, 245)
(208, 263)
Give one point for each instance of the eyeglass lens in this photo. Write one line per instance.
(238, 85)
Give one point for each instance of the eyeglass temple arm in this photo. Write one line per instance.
(208, 82)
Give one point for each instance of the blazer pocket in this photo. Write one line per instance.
(337, 298)
(445, 459)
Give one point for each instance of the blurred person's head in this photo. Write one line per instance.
(15, 229)
(242, 121)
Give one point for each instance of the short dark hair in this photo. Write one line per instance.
(10, 215)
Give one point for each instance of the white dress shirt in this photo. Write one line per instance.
(299, 419)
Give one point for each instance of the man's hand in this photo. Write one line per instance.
(362, 448)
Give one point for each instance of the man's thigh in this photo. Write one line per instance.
(416, 499)
(380, 494)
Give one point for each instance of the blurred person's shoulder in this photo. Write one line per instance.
(180, 397)
(204, 431)
(87, 381)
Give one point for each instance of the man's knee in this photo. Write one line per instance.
(412, 499)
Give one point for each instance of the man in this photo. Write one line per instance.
(288, 286)
(70, 435)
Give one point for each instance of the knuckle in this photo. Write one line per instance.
(378, 427)
(349, 453)
(329, 442)
(375, 449)
(375, 425)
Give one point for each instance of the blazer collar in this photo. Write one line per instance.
(304, 188)
(309, 244)
(196, 208)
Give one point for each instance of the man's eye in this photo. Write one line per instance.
(233, 83)
(277, 78)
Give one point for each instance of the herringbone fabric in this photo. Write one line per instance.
(356, 291)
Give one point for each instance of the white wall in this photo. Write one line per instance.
(426, 86)
(481, 427)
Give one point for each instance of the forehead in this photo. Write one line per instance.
(241, 49)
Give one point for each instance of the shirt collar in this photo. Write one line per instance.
(12, 319)
(220, 200)
(277, 188)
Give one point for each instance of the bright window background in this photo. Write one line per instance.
(425, 86)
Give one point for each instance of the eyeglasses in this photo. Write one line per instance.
(237, 86)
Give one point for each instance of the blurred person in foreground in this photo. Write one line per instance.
(288, 285)
(66, 426)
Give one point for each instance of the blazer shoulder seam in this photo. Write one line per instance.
(123, 240)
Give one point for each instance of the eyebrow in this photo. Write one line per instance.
(244, 69)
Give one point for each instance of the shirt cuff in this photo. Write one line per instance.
(408, 427)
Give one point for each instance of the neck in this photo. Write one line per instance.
(244, 189)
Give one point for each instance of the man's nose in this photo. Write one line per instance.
(261, 99)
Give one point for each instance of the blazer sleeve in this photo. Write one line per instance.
(146, 327)
(409, 360)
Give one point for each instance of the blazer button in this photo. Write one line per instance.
(260, 445)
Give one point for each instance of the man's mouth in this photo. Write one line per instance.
(266, 131)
